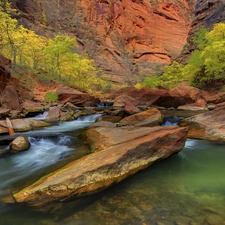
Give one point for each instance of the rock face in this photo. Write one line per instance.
(206, 14)
(118, 159)
(124, 37)
(207, 125)
(19, 144)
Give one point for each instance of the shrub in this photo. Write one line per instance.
(51, 97)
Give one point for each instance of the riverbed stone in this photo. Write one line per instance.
(19, 144)
(54, 114)
(208, 126)
(125, 151)
(20, 125)
(150, 117)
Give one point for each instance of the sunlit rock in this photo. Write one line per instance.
(124, 151)
(151, 117)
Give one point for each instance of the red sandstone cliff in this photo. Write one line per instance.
(124, 37)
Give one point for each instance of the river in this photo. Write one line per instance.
(186, 189)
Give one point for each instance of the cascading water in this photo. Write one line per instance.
(47, 147)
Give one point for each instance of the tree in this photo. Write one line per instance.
(58, 52)
(207, 64)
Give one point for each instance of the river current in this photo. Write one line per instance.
(186, 189)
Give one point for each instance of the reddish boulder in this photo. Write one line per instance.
(130, 108)
(66, 94)
(10, 98)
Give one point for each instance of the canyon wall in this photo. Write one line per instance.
(126, 38)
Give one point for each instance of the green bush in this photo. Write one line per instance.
(151, 82)
(51, 97)
(172, 76)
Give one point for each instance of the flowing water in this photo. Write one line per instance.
(186, 189)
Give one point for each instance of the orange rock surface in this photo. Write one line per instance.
(125, 37)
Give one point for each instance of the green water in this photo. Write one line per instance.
(185, 189)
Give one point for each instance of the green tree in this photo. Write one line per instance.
(206, 65)
(57, 53)
(199, 38)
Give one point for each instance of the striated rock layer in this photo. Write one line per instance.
(125, 38)
(117, 159)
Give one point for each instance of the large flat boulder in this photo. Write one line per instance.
(126, 151)
(208, 126)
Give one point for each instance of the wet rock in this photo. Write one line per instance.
(37, 123)
(66, 116)
(207, 125)
(22, 125)
(54, 114)
(151, 117)
(118, 159)
(19, 144)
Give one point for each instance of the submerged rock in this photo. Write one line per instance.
(124, 152)
(19, 144)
